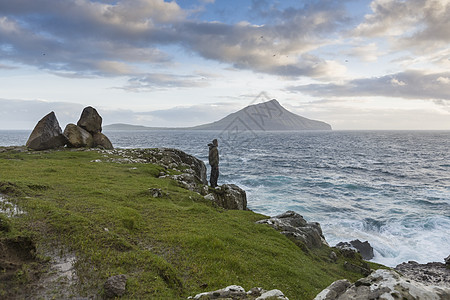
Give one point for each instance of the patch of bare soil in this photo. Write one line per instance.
(17, 265)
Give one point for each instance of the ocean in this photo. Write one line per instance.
(391, 188)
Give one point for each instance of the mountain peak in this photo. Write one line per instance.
(266, 116)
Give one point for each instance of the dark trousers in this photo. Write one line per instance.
(214, 176)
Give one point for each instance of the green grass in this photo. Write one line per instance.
(169, 247)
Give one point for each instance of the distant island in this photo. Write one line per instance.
(267, 116)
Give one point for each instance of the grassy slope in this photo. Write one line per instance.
(170, 247)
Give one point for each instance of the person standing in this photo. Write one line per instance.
(214, 162)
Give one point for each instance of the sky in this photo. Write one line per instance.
(357, 65)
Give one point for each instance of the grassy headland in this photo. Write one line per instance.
(103, 215)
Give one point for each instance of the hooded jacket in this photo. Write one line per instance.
(213, 155)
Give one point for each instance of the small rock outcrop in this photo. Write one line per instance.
(383, 284)
(77, 137)
(237, 292)
(90, 120)
(115, 286)
(364, 248)
(192, 169)
(229, 196)
(47, 134)
(292, 225)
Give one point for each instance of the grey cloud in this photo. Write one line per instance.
(157, 81)
(73, 36)
(409, 85)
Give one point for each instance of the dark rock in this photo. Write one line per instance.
(364, 248)
(47, 134)
(90, 120)
(383, 284)
(447, 261)
(294, 226)
(77, 137)
(102, 141)
(115, 286)
(229, 196)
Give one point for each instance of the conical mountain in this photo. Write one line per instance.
(267, 116)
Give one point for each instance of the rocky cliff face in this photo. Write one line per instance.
(266, 116)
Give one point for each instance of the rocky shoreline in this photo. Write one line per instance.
(409, 280)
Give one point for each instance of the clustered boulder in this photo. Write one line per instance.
(47, 134)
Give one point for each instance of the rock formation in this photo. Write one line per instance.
(46, 134)
(229, 196)
(303, 233)
(383, 284)
(237, 292)
(364, 248)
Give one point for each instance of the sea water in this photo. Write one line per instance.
(391, 188)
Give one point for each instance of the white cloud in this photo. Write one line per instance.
(417, 26)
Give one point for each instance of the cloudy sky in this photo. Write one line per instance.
(382, 64)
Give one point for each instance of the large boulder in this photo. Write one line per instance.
(383, 284)
(47, 134)
(77, 137)
(229, 196)
(102, 141)
(292, 225)
(90, 120)
(364, 248)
